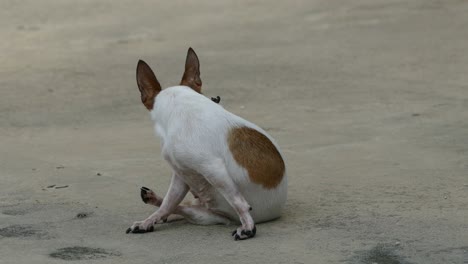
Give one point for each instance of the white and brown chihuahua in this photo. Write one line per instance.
(233, 168)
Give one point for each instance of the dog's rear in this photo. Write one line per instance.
(232, 166)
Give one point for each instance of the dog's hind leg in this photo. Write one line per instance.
(176, 193)
(215, 172)
(200, 215)
(150, 197)
(195, 214)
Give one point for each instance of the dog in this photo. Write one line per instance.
(234, 169)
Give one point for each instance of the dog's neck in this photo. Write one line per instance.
(176, 107)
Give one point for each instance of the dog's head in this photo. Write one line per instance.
(149, 85)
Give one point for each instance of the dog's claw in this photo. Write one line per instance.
(245, 234)
(138, 230)
(143, 192)
(254, 231)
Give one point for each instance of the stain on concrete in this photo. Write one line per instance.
(14, 212)
(22, 209)
(82, 253)
(381, 254)
(457, 254)
(22, 231)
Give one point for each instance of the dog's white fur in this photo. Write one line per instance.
(194, 141)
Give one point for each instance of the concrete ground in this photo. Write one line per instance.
(368, 100)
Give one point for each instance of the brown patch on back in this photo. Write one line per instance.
(257, 154)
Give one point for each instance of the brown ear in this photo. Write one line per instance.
(147, 83)
(191, 76)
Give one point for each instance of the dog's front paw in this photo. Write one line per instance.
(242, 233)
(141, 227)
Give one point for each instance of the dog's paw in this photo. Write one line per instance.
(241, 233)
(141, 227)
(149, 197)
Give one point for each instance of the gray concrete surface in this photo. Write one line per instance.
(368, 100)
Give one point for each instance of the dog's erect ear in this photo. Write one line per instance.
(191, 76)
(147, 83)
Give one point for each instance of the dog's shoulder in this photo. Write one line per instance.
(184, 111)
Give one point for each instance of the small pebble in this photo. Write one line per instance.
(397, 243)
(445, 197)
(242, 107)
(98, 174)
(81, 215)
